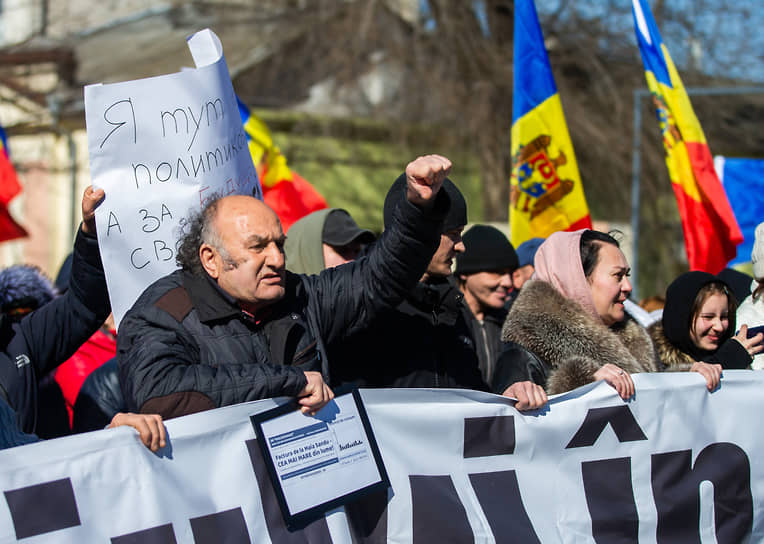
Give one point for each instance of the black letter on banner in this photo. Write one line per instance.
(676, 489)
(227, 526)
(610, 498)
(367, 517)
(156, 535)
(620, 418)
(488, 436)
(316, 533)
(42, 508)
(500, 499)
(439, 515)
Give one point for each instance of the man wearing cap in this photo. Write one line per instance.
(324, 239)
(425, 341)
(484, 273)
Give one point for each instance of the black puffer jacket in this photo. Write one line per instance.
(51, 334)
(185, 346)
(99, 400)
(424, 342)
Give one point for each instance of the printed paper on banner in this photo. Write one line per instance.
(320, 462)
(160, 148)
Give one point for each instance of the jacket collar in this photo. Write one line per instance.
(497, 316)
(438, 298)
(210, 301)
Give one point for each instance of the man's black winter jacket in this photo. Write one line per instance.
(185, 346)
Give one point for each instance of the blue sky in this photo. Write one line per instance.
(727, 42)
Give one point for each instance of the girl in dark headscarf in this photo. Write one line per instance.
(698, 326)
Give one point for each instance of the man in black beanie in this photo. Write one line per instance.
(484, 273)
(426, 340)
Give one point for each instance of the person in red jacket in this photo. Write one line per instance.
(98, 349)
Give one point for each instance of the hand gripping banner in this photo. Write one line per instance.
(675, 464)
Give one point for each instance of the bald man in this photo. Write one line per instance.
(232, 325)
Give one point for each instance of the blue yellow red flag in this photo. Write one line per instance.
(711, 232)
(546, 194)
(285, 191)
(267, 157)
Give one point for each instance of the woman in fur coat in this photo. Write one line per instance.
(568, 327)
(699, 324)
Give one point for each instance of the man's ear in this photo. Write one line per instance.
(210, 262)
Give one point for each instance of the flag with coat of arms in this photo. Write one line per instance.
(546, 194)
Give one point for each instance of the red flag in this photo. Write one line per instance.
(9, 188)
(9, 229)
(292, 199)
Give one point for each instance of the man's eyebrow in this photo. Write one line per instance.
(257, 239)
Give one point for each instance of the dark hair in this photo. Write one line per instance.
(591, 241)
(715, 287)
(197, 229)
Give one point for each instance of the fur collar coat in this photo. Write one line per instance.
(671, 357)
(571, 343)
(731, 354)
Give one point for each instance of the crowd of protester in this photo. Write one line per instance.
(252, 314)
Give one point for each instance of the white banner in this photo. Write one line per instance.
(676, 464)
(160, 147)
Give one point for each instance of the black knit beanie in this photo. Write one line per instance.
(485, 249)
(457, 211)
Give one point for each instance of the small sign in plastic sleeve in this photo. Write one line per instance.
(319, 463)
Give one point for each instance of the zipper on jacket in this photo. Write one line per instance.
(437, 360)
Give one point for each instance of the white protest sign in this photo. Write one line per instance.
(160, 148)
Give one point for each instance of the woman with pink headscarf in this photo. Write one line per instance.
(568, 326)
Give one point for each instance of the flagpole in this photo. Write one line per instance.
(635, 189)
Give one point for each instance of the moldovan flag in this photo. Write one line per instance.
(9, 188)
(285, 191)
(711, 233)
(546, 194)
